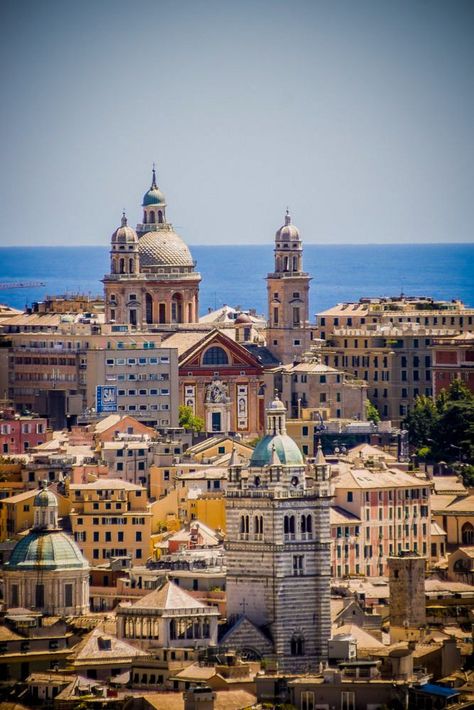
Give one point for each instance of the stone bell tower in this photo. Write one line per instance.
(288, 331)
(278, 550)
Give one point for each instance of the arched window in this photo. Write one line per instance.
(172, 629)
(152, 217)
(297, 645)
(122, 266)
(295, 263)
(162, 313)
(244, 524)
(130, 266)
(148, 308)
(177, 308)
(258, 525)
(289, 524)
(160, 217)
(468, 534)
(215, 356)
(309, 524)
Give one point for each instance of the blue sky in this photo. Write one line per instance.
(357, 115)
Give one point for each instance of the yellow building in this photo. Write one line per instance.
(111, 518)
(17, 513)
(454, 513)
(209, 509)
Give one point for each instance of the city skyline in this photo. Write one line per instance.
(357, 118)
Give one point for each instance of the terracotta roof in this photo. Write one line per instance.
(21, 496)
(184, 341)
(448, 484)
(441, 502)
(385, 478)
(464, 504)
(196, 672)
(106, 484)
(363, 638)
(99, 646)
(338, 516)
(441, 585)
(169, 597)
(107, 423)
(436, 529)
(467, 550)
(365, 451)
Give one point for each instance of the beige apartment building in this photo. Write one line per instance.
(55, 367)
(110, 518)
(423, 311)
(388, 343)
(314, 385)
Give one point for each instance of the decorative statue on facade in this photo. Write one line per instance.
(217, 392)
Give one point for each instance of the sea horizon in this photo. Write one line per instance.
(235, 274)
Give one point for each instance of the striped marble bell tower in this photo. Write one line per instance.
(278, 549)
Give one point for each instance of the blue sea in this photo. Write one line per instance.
(235, 275)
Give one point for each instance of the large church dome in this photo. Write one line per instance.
(163, 247)
(46, 550)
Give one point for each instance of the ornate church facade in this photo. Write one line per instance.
(278, 551)
(153, 280)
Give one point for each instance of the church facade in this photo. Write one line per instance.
(278, 551)
(153, 280)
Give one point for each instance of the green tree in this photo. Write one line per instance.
(190, 421)
(372, 413)
(444, 428)
(420, 422)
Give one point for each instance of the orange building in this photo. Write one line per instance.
(110, 518)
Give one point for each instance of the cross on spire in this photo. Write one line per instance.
(153, 181)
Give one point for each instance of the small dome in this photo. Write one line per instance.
(45, 499)
(288, 232)
(285, 447)
(163, 247)
(153, 196)
(46, 550)
(277, 405)
(242, 318)
(124, 234)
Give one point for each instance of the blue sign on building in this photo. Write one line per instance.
(106, 398)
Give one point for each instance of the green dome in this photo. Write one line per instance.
(45, 499)
(154, 196)
(286, 448)
(46, 550)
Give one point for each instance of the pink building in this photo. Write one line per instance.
(377, 513)
(20, 433)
